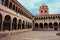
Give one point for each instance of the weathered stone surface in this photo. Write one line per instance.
(34, 35)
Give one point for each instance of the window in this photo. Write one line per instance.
(10, 5)
(45, 11)
(13, 7)
(41, 11)
(6, 3)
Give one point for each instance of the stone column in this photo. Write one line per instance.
(43, 26)
(24, 25)
(58, 26)
(9, 3)
(17, 25)
(53, 26)
(48, 27)
(21, 24)
(38, 26)
(2, 24)
(11, 26)
(32, 26)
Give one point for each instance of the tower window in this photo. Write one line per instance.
(45, 11)
(41, 11)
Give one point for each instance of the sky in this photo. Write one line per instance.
(33, 5)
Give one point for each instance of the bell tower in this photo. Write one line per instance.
(43, 9)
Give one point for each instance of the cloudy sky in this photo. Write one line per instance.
(33, 5)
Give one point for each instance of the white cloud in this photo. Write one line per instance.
(53, 8)
(54, 5)
(29, 3)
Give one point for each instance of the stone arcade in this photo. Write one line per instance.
(13, 16)
(46, 21)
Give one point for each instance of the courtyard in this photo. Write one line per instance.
(41, 35)
(34, 35)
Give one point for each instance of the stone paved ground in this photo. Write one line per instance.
(34, 35)
(41, 35)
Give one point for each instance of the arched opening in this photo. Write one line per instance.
(6, 3)
(59, 25)
(41, 25)
(45, 25)
(19, 24)
(10, 5)
(7, 22)
(28, 25)
(16, 9)
(0, 21)
(14, 24)
(36, 25)
(55, 26)
(23, 25)
(13, 7)
(50, 25)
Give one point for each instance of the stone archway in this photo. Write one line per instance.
(45, 25)
(50, 25)
(0, 21)
(36, 25)
(29, 25)
(59, 25)
(7, 22)
(23, 25)
(14, 24)
(6, 3)
(41, 25)
(55, 26)
(19, 24)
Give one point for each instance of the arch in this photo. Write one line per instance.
(13, 7)
(50, 25)
(45, 25)
(10, 5)
(16, 8)
(6, 3)
(59, 25)
(58, 17)
(36, 25)
(53, 17)
(55, 26)
(7, 22)
(41, 25)
(14, 24)
(19, 24)
(23, 24)
(28, 25)
(0, 21)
